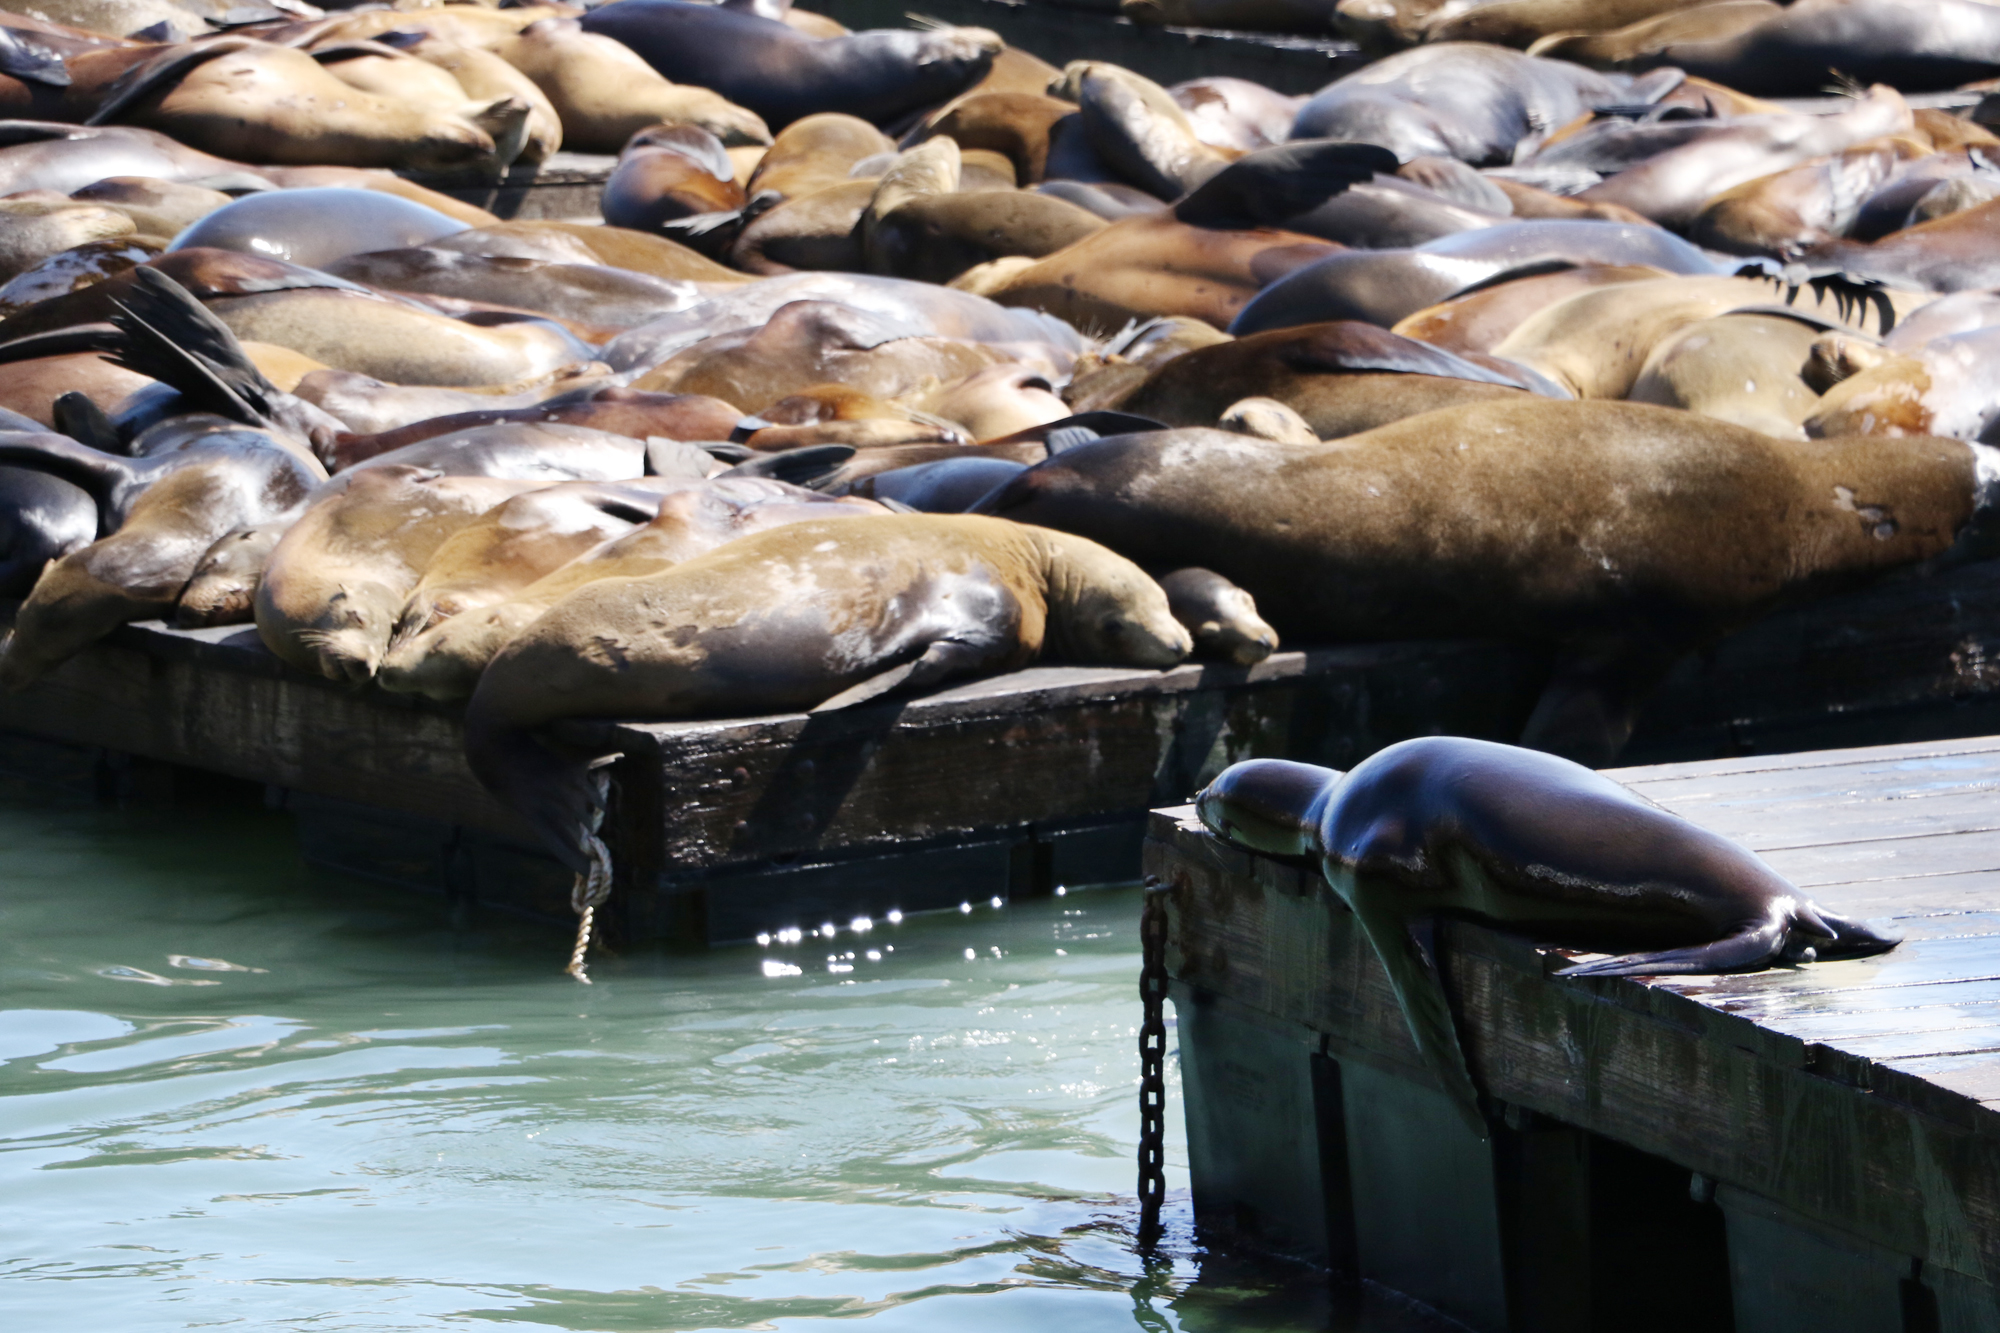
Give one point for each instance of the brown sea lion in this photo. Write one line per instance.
(604, 93)
(618, 411)
(1137, 129)
(667, 172)
(1671, 188)
(1221, 617)
(1940, 387)
(156, 207)
(1743, 368)
(161, 513)
(1465, 522)
(1955, 253)
(1522, 23)
(581, 243)
(1267, 419)
(997, 401)
(1014, 124)
(1482, 318)
(366, 405)
(595, 296)
(1146, 266)
(337, 580)
(1789, 212)
(34, 228)
(31, 387)
(444, 661)
(810, 615)
(1634, 43)
(816, 152)
(810, 342)
(936, 237)
(1443, 826)
(1342, 378)
(73, 269)
(783, 75)
(481, 75)
(266, 103)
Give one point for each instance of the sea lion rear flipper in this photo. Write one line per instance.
(1853, 939)
(804, 466)
(172, 337)
(1751, 948)
(943, 659)
(1406, 949)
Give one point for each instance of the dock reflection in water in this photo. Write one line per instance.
(235, 1094)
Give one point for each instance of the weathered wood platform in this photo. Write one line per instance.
(1814, 1147)
(569, 187)
(723, 829)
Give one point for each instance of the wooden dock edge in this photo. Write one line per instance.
(1827, 1193)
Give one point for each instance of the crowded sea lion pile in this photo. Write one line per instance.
(901, 357)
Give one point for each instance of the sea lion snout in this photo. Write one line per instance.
(1266, 805)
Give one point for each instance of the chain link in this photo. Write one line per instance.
(1152, 1062)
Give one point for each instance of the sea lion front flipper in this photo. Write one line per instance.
(943, 659)
(1752, 948)
(1408, 955)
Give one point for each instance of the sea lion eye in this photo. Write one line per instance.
(1113, 627)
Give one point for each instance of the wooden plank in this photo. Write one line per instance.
(1969, 890)
(568, 186)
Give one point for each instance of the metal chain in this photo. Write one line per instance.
(1152, 1062)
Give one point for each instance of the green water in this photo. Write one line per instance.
(234, 1093)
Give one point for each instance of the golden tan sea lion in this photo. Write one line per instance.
(1745, 368)
(1479, 321)
(810, 615)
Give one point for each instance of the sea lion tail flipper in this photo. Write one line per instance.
(172, 337)
(944, 659)
(1407, 950)
(1853, 939)
(1751, 948)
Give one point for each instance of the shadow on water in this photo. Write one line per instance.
(236, 1092)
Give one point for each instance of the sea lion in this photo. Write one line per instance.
(1337, 191)
(1287, 16)
(1464, 521)
(1955, 253)
(1267, 419)
(1342, 378)
(783, 75)
(604, 93)
(1015, 125)
(444, 660)
(581, 243)
(935, 238)
(608, 298)
(810, 615)
(156, 207)
(315, 227)
(542, 451)
(33, 229)
(31, 387)
(619, 411)
(1484, 105)
(668, 172)
(815, 152)
(1444, 826)
(1137, 129)
(1236, 114)
(1383, 287)
(942, 485)
(1480, 319)
(1672, 187)
(42, 518)
(997, 401)
(1633, 44)
(337, 580)
(73, 269)
(161, 512)
(810, 342)
(1915, 45)
(38, 155)
(1789, 212)
(1522, 23)
(1221, 617)
(1150, 265)
(268, 103)
(1941, 387)
(1742, 367)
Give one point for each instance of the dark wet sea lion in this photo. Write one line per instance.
(1150, 265)
(42, 518)
(1672, 187)
(782, 75)
(1480, 104)
(337, 580)
(1338, 191)
(1441, 826)
(811, 615)
(1462, 522)
(1915, 45)
(161, 514)
(1220, 616)
(315, 227)
(941, 486)
(1383, 287)
(1342, 378)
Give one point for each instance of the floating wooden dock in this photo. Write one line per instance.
(1814, 1148)
(996, 788)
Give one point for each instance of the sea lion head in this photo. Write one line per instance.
(1267, 805)
(1221, 616)
(1104, 609)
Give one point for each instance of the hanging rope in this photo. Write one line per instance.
(590, 890)
(1152, 1062)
